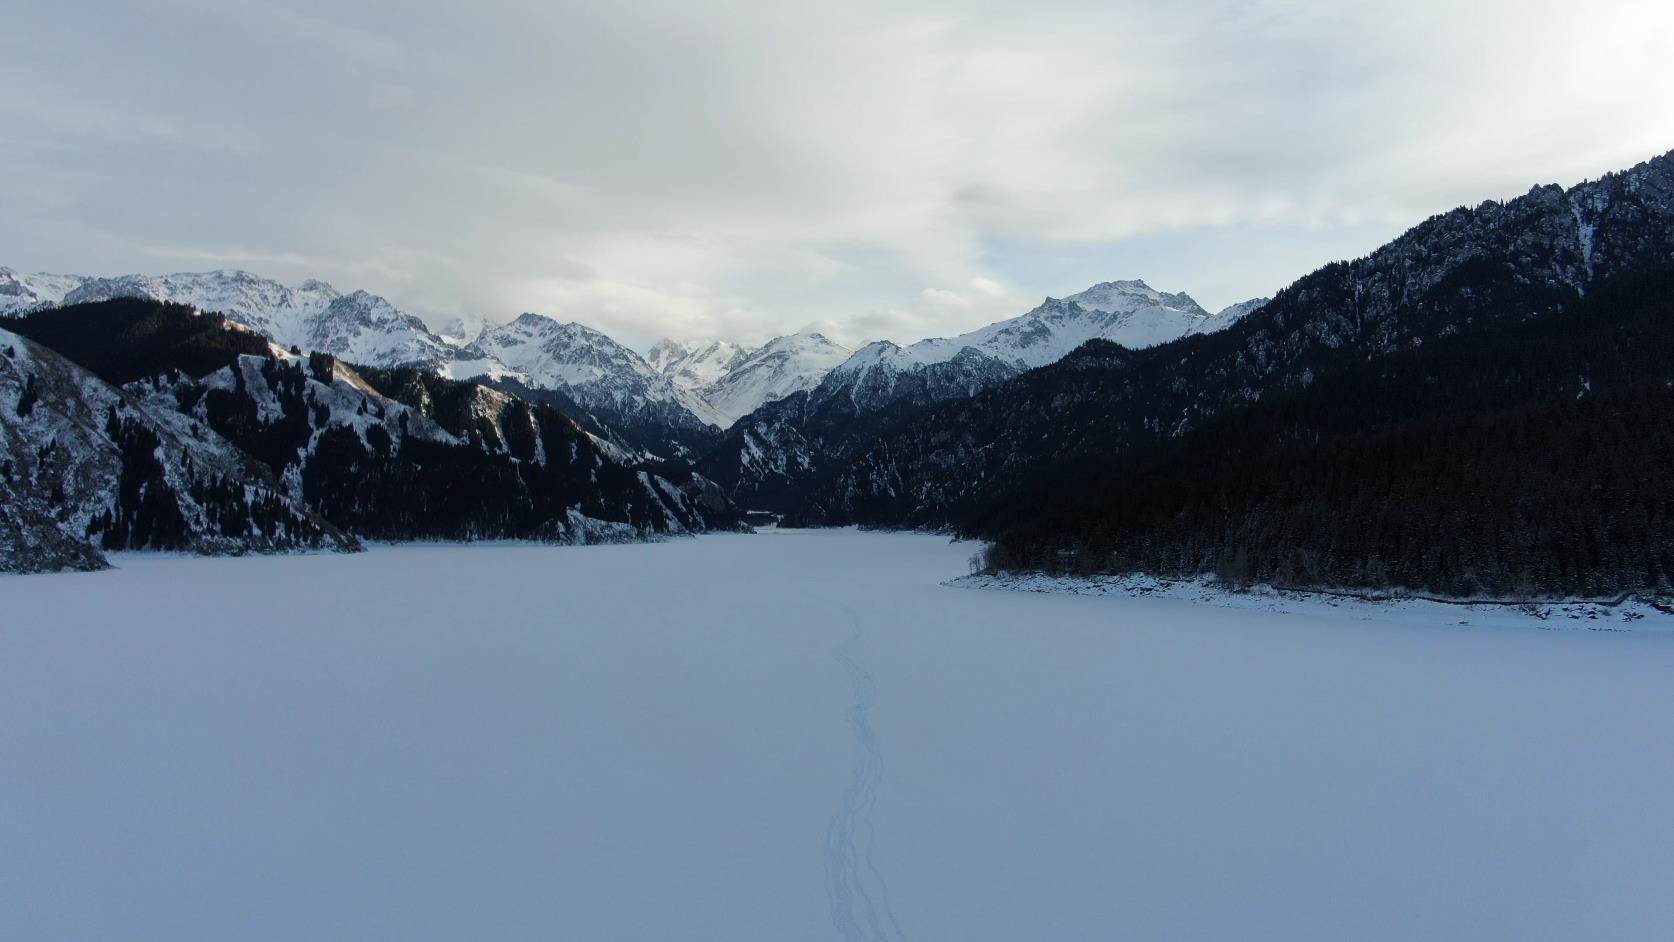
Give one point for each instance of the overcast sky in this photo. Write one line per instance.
(739, 168)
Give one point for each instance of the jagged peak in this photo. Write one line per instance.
(1123, 296)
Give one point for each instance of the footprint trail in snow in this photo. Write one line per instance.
(859, 899)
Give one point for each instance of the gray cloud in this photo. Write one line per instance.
(741, 168)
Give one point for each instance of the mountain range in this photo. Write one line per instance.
(675, 402)
(737, 381)
(771, 457)
(138, 424)
(1117, 428)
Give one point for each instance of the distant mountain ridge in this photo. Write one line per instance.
(771, 457)
(616, 394)
(737, 380)
(359, 327)
(673, 403)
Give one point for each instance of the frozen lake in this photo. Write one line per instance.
(802, 736)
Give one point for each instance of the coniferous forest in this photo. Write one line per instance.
(1531, 460)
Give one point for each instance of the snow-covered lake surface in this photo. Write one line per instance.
(803, 736)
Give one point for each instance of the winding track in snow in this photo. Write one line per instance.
(859, 897)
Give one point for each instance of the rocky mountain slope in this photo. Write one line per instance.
(87, 467)
(612, 388)
(386, 454)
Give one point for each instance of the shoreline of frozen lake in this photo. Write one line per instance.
(802, 735)
(1591, 614)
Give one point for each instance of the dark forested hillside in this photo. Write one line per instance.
(86, 466)
(775, 456)
(384, 454)
(1530, 459)
(1498, 264)
(126, 339)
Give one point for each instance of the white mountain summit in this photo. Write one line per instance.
(695, 365)
(1130, 313)
(785, 365)
(590, 369)
(736, 380)
(357, 327)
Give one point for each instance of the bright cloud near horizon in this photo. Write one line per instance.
(742, 168)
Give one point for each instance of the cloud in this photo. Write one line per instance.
(741, 167)
(942, 297)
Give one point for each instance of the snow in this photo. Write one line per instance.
(804, 735)
(593, 368)
(1623, 614)
(22, 293)
(1130, 313)
(732, 381)
(781, 367)
(694, 365)
(359, 327)
(1584, 232)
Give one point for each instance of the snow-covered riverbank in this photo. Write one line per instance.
(803, 736)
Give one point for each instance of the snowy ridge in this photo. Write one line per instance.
(785, 365)
(363, 328)
(785, 445)
(547, 354)
(735, 381)
(1130, 313)
(313, 316)
(23, 293)
(607, 379)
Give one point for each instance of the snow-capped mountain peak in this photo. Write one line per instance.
(550, 354)
(696, 365)
(359, 327)
(1131, 313)
(668, 351)
(781, 367)
(592, 370)
(1122, 297)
